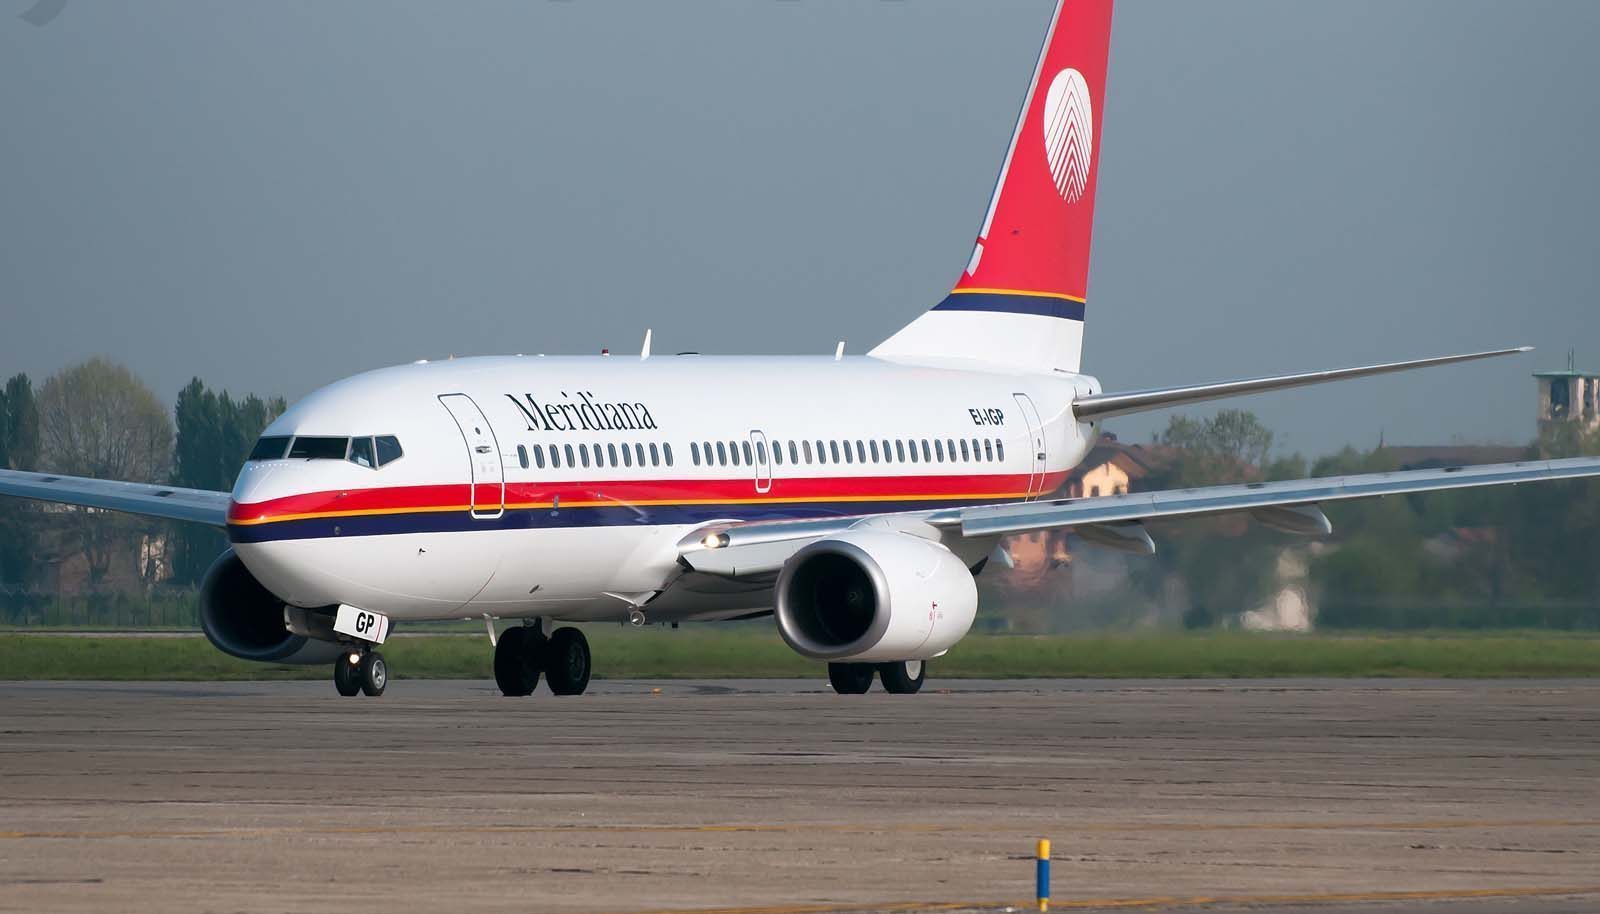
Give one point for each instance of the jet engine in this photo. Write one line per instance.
(244, 619)
(874, 595)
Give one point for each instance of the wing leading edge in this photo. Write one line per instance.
(1105, 406)
(1258, 497)
(170, 502)
(741, 550)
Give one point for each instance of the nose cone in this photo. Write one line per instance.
(260, 484)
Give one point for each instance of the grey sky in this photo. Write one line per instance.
(274, 195)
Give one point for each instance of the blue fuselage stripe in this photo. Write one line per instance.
(553, 519)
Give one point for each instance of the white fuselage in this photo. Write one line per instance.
(543, 486)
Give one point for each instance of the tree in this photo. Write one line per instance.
(96, 419)
(215, 435)
(1224, 448)
(196, 461)
(19, 450)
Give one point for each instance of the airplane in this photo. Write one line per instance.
(852, 498)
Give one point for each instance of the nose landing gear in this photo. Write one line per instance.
(363, 672)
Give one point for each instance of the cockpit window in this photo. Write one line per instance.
(388, 449)
(270, 448)
(361, 452)
(309, 448)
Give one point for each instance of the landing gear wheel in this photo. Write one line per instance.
(566, 662)
(850, 678)
(374, 674)
(347, 674)
(903, 677)
(516, 661)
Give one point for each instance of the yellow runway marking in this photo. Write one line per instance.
(801, 828)
(1154, 901)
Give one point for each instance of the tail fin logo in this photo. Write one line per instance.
(1069, 133)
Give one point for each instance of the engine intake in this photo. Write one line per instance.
(242, 618)
(873, 595)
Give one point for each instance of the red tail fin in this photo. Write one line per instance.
(1032, 255)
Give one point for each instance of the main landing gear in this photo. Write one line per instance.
(902, 677)
(524, 652)
(363, 672)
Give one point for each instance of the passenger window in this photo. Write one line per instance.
(745, 446)
(761, 451)
(388, 449)
(965, 456)
(861, 451)
(611, 453)
(655, 458)
(848, 457)
(722, 454)
(308, 448)
(733, 448)
(538, 455)
(912, 447)
(950, 448)
(555, 457)
(874, 444)
(583, 454)
(638, 453)
(927, 455)
(572, 460)
(627, 455)
(822, 453)
(522, 456)
(807, 445)
(666, 452)
(988, 450)
(794, 456)
(833, 450)
(999, 450)
(777, 452)
(900, 450)
(271, 448)
(938, 449)
(694, 453)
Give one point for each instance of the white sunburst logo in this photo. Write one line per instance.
(1069, 133)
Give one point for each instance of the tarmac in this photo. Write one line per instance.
(782, 798)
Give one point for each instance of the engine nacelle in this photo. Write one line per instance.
(244, 619)
(874, 595)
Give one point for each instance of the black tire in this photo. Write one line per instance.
(374, 674)
(850, 678)
(567, 662)
(347, 676)
(516, 662)
(903, 677)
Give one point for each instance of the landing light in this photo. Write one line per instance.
(354, 657)
(714, 540)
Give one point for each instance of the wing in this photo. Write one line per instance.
(170, 502)
(1105, 406)
(740, 550)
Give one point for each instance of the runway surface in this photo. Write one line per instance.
(782, 798)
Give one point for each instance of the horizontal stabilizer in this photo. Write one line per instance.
(1106, 406)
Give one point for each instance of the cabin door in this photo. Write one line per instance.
(483, 456)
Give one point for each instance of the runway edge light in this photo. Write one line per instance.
(1042, 874)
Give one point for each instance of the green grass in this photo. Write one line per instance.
(659, 654)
